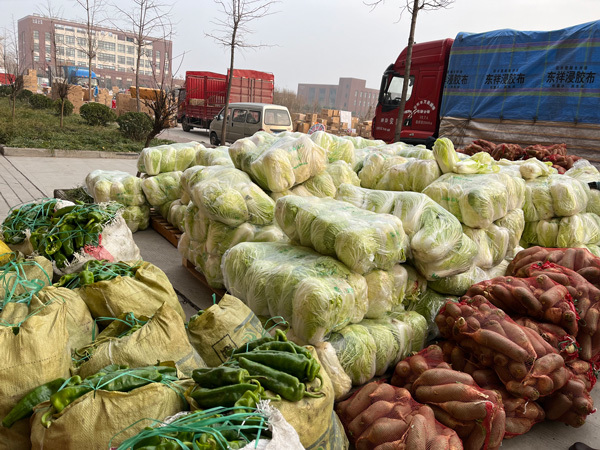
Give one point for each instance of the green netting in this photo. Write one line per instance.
(220, 426)
(16, 284)
(27, 216)
(98, 270)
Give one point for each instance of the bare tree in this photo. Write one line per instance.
(13, 62)
(92, 10)
(413, 7)
(144, 19)
(288, 98)
(232, 31)
(58, 82)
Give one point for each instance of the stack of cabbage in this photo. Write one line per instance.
(213, 156)
(324, 184)
(358, 352)
(163, 192)
(395, 149)
(167, 158)
(555, 213)
(278, 162)
(362, 240)
(398, 173)
(226, 208)
(337, 148)
(122, 187)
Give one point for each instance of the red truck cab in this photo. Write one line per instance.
(426, 85)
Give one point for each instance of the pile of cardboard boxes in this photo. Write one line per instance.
(78, 95)
(330, 119)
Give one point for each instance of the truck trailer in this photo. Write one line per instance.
(523, 87)
(203, 95)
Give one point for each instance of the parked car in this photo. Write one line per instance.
(245, 119)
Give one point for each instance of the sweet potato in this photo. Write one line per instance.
(418, 364)
(368, 416)
(448, 392)
(515, 426)
(476, 440)
(356, 404)
(416, 436)
(396, 445)
(557, 405)
(381, 431)
(497, 429)
(520, 390)
(384, 392)
(476, 410)
(500, 344)
(435, 377)
(547, 364)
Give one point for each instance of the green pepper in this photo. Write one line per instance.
(66, 279)
(52, 245)
(63, 398)
(225, 395)
(24, 408)
(246, 402)
(287, 346)
(62, 211)
(284, 384)
(60, 259)
(303, 368)
(64, 234)
(86, 277)
(249, 346)
(219, 376)
(78, 239)
(127, 379)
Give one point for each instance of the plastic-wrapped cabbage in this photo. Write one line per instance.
(595, 249)
(356, 350)
(445, 155)
(428, 306)
(361, 239)
(385, 290)
(416, 285)
(326, 183)
(280, 164)
(583, 171)
(459, 284)
(514, 222)
(388, 341)
(227, 195)
(360, 142)
(481, 162)
(316, 294)
(375, 166)
(477, 200)
(436, 236)
(500, 269)
(115, 185)
(137, 218)
(416, 152)
(492, 243)
(458, 260)
(167, 158)
(554, 196)
(337, 148)
(176, 214)
(561, 232)
(413, 175)
(195, 223)
(213, 156)
(162, 188)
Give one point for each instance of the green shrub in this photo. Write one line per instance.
(135, 125)
(24, 95)
(68, 109)
(5, 91)
(7, 133)
(97, 114)
(40, 101)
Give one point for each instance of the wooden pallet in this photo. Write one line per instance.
(164, 228)
(192, 270)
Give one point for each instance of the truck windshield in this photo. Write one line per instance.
(393, 90)
(277, 117)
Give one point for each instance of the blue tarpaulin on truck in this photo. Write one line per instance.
(534, 75)
(83, 73)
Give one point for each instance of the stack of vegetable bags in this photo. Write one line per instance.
(213, 156)
(337, 148)
(168, 158)
(226, 208)
(555, 213)
(164, 193)
(277, 163)
(122, 187)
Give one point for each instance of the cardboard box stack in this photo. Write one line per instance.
(330, 118)
(127, 103)
(30, 81)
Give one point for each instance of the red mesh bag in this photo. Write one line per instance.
(409, 369)
(571, 404)
(538, 297)
(496, 341)
(554, 335)
(577, 259)
(380, 416)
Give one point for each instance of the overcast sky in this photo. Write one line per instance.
(318, 41)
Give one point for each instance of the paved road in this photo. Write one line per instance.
(178, 135)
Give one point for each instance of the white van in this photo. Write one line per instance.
(245, 119)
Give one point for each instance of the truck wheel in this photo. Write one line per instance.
(213, 139)
(185, 125)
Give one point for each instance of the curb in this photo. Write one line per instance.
(56, 153)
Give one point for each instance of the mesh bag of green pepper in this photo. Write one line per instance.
(34, 339)
(141, 294)
(21, 279)
(88, 413)
(141, 341)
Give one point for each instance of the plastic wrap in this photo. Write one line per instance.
(115, 185)
(167, 158)
(361, 239)
(337, 148)
(375, 165)
(434, 232)
(554, 196)
(137, 218)
(213, 156)
(360, 142)
(162, 188)
(278, 163)
(227, 195)
(176, 214)
(560, 232)
(477, 200)
(386, 290)
(316, 294)
(324, 184)
(451, 161)
(398, 175)
(459, 284)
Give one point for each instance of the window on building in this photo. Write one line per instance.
(332, 96)
(60, 50)
(311, 94)
(60, 38)
(354, 102)
(47, 36)
(356, 93)
(130, 49)
(121, 60)
(130, 61)
(36, 58)
(48, 57)
(36, 34)
(82, 42)
(147, 52)
(81, 54)
(70, 39)
(36, 46)
(106, 57)
(158, 55)
(121, 48)
(166, 66)
(59, 27)
(129, 39)
(108, 46)
(70, 52)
